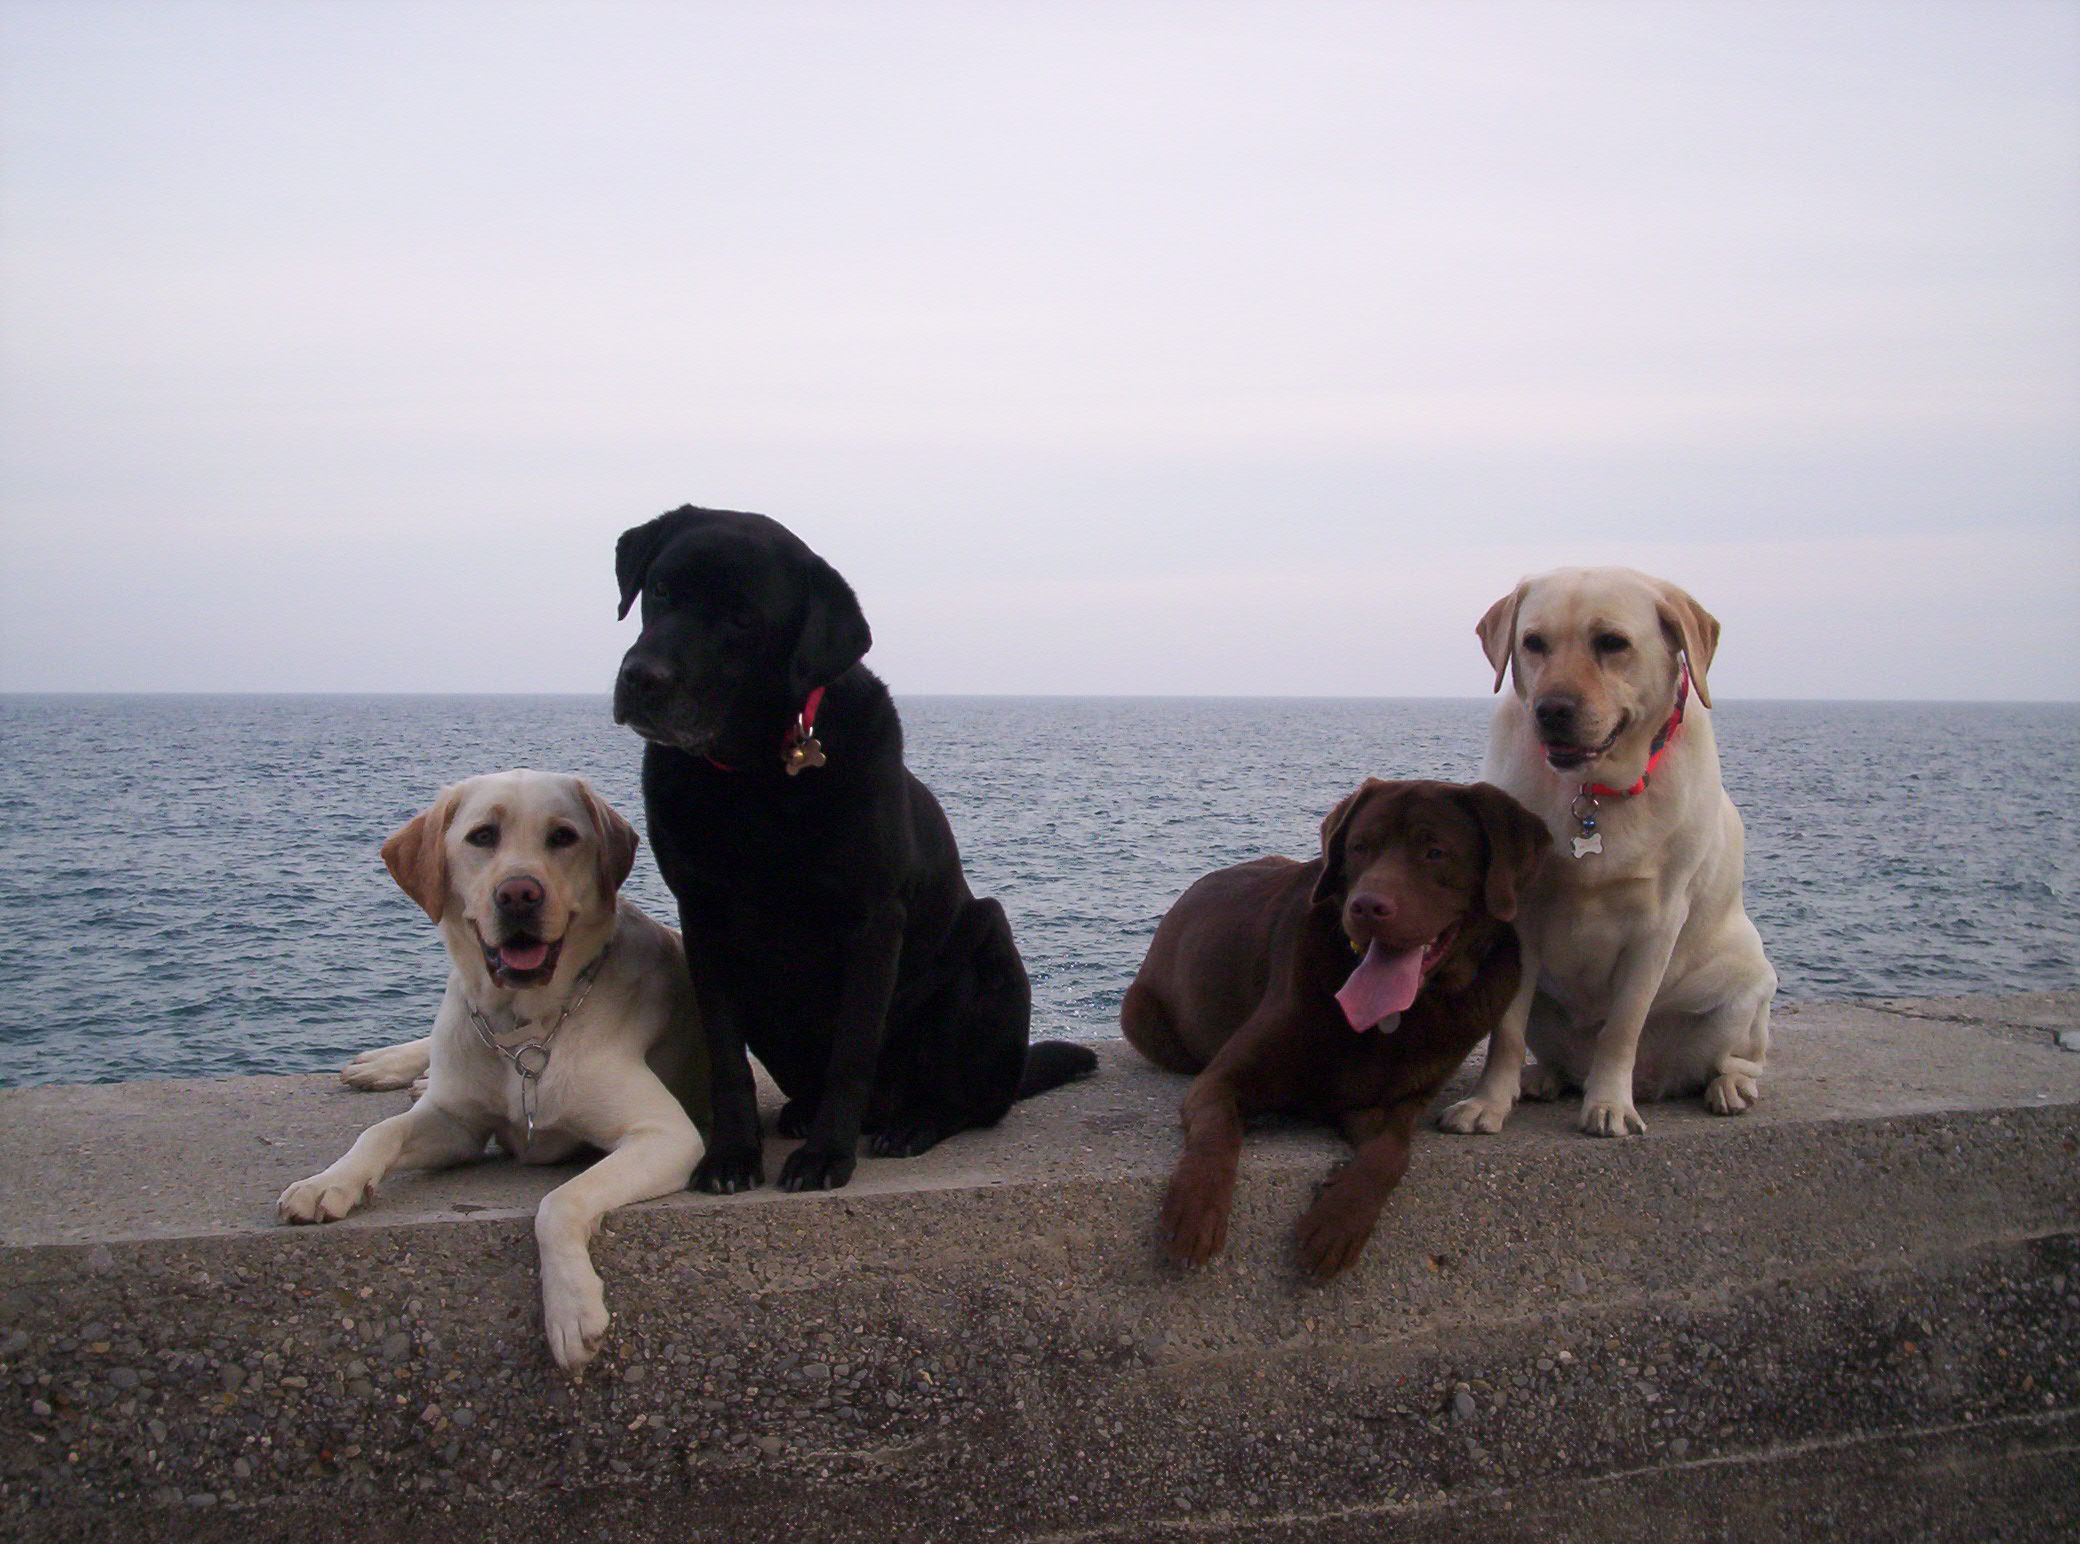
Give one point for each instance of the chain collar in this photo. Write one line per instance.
(531, 1057)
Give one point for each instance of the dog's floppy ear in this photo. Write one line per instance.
(834, 635)
(1517, 844)
(1498, 632)
(617, 840)
(417, 854)
(1692, 629)
(638, 547)
(1333, 826)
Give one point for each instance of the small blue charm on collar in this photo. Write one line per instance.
(1584, 811)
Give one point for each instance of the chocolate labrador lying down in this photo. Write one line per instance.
(1250, 983)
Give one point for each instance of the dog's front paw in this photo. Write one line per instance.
(1193, 1224)
(809, 1169)
(1730, 1093)
(575, 1317)
(1611, 1118)
(795, 1118)
(320, 1198)
(1334, 1232)
(394, 1066)
(1541, 1084)
(906, 1139)
(727, 1170)
(1475, 1115)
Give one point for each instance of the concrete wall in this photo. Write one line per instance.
(1851, 1314)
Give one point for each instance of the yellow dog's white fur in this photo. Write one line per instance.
(624, 1070)
(1643, 977)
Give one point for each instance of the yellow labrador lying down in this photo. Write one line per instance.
(568, 1024)
(1643, 977)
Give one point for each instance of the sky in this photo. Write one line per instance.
(1235, 349)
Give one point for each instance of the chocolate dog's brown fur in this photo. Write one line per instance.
(1240, 986)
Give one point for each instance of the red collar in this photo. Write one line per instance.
(799, 747)
(1655, 752)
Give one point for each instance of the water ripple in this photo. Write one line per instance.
(190, 886)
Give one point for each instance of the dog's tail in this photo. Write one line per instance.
(1051, 1063)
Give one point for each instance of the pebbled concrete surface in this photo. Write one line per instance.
(1852, 1313)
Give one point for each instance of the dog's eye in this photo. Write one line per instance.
(1612, 643)
(1435, 854)
(563, 836)
(659, 593)
(482, 836)
(1534, 643)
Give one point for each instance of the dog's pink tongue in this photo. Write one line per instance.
(1383, 984)
(523, 957)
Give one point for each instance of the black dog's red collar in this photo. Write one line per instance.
(799, 747)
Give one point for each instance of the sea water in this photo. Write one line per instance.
(190, 886)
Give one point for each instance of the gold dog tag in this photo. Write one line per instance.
(805, 753)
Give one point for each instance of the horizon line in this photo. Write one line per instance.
(1151, 696)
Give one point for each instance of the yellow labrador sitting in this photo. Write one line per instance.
(568, 1024)
(1643, 977)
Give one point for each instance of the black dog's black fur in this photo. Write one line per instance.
(828, 924)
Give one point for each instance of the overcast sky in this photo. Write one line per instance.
(1114, 347)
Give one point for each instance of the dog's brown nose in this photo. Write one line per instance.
(1371, 906)
(522, 892)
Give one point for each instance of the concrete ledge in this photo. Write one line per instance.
(1851, 1314)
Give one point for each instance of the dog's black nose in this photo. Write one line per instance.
(1371, 906)
(520, 893)
(1555, 715)
(641, 679)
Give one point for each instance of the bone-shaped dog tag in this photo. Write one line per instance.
(805, 753)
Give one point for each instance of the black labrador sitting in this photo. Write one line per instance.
(828, 925)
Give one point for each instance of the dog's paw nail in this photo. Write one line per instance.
(575, 1338)
(1326, 1263)
(1473, 1117)
(724, 1174)
(306, 1201)
(805, 1171)
(1730, 1094)
(1612, 1120)
(1190, 1239)
(1541, 1086)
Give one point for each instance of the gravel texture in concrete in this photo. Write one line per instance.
(1851, 1313)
